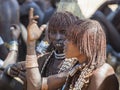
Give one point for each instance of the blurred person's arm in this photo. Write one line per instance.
(13, 46)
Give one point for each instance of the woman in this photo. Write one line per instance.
(51, 62)
(88, 42)
(89, 37)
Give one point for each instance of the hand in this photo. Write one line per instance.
(16, 70)
(15, 31)
(33, 30)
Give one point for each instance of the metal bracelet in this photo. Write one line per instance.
(13, 46)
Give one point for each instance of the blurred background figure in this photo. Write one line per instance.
(71, 6)
(9, 14)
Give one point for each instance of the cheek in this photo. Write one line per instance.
(51, 37)
(67, 50)
(70, 51)
(63, 37)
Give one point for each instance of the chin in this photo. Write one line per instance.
(67, 56)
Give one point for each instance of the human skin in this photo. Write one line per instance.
(34, 81)
(103, 77)
(9, 15)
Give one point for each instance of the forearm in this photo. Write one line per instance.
(12, 55)
(54, 82)
(11, 58)
(33, 74)
(33, 79)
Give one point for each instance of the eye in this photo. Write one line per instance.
(53, 32)
(63, 32)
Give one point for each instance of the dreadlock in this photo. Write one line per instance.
(90, 38)
(61, 21)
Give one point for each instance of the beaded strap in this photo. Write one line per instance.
(83, 78)
(67, 64)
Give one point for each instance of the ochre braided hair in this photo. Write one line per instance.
(90, 38)
(61, 20)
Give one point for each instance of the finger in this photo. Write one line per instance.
(22, 76)
(35, 22)
(14, 73)
(35, 17)
(31, 13)
(43, 27)
(23, 65)
(18, 66)
(14, 68)
(23, 68)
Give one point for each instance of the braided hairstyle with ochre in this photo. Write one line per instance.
(90, 38)
(61, 21)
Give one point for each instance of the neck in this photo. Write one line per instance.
(59, 56)
(82, 58)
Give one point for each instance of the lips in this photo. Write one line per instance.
(59, 44)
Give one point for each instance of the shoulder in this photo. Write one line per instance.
(104, 78)
(103, 71)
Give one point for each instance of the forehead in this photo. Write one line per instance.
(57, 28)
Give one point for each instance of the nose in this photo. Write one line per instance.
(65, 42)
(58, 37)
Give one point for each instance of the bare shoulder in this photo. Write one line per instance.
(104, 78)
(104, 71)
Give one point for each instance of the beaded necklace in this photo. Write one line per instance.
(68, 64)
